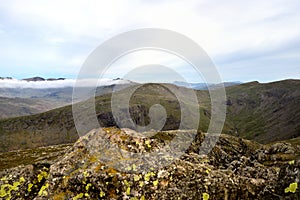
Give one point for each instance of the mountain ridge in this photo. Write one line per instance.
(255, 111)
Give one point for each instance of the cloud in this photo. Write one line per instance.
(50, 38)
(14, 83)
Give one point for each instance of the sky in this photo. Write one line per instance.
(246, 40)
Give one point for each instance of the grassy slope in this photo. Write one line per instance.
(265, 112)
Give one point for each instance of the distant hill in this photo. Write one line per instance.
(204, 86)
(14, 107)
(261, 112)
(16, 102)
(37, 78)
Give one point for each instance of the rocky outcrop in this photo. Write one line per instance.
(90, 169)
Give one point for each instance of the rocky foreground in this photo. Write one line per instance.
(234, 169)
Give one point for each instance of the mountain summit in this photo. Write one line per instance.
(235, 169)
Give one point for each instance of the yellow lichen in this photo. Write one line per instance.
(102, 194)
(78, 196)
(5, 190)
(22, 179)
(292, 188)
(42, 175)
(141, 183)
(87, 187)
(126, 183)
(29, 187)
(155, 183)
(207, 170)
(43, 191)
(133, 167)
(128, 191)
(147, 176)
(147, 142)
(205, 196)
(136, 178)
(292, 162)
(85, 174)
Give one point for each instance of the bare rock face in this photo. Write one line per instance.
(234, 169)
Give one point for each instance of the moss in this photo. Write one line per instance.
(99, 167)
(59, 196)
(93, 159)
(292, 188)
(111, 171)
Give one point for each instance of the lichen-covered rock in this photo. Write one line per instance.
(234, 169)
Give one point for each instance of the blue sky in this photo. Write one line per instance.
(247, 40)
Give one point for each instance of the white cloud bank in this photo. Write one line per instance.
(14, 83)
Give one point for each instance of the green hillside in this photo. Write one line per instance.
(264, 112)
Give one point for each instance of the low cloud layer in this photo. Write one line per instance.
(15, 83)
